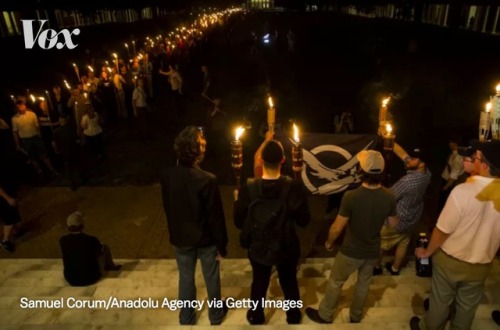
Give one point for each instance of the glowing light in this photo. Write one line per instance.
(239, 132)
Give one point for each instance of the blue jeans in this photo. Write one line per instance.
(186, 258)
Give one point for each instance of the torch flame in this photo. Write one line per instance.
(33, 98)
(239, 132)
(126, 45)
(90, 68)
(385, 102)
(74, 64)
(488, 107)
(388, 128)
(498, 88)
(41, 98)
(115, 56)
(296, 133)
(270, 101)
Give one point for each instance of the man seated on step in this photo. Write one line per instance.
(409, 192)
(84, 256)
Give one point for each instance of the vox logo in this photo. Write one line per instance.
(48, 38)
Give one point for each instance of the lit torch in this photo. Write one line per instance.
(77, 71)
(128, 50)
(382, 115)
(237, 155)
(297, 156)
(117, 63)
(271, 115)
(388, 138)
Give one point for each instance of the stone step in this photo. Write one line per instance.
(377, 318)
(392, 300)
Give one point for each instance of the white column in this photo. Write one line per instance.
(445, 22)
(494, 28)
(485, 20)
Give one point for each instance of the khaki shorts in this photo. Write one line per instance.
(389, 238)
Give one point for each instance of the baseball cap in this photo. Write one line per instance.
(272, 152)
(75, 219)
(466, 151)
(490, 150)
(371, 161)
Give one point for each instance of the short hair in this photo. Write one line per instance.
(370, 178)
(187, 145)
(494, 171)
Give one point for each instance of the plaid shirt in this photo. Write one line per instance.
(409, 192)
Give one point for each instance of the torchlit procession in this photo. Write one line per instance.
(326, 163)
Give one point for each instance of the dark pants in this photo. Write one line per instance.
(96, 144)
(287, 274)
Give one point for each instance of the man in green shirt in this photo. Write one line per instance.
(364, 211)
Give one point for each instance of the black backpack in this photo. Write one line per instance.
(266, 228)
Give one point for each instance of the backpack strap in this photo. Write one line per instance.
(255, 188)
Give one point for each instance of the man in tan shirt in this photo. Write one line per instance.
(27, 138)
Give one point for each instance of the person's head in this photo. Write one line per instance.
(372, 166)
(56, 89)
(272, 155)
(487, 158)
(414, 164)
(190, 146)
(89, 109)
(44, 107)
(467, 154)
(91, 74)
(140, 82)
(74, 222)
(454, 142)
(204, 68)
(21, 106)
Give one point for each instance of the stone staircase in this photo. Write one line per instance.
(392, 301)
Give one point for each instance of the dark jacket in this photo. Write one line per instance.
(297, 208)
(80, 254)
(193, 206)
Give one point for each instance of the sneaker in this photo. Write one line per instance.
(495, 315)
(388, 266)
(377, 271)
(415, 323)
(313, 314)
(8, 246)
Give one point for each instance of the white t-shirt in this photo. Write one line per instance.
(139, 97)
(473, 226)
(93, 127)
(454, 168)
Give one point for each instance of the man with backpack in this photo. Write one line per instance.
(267, 210)
(363, 211)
